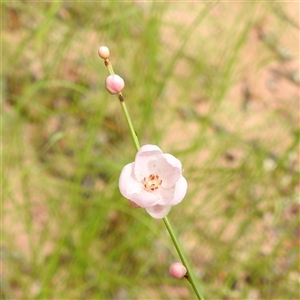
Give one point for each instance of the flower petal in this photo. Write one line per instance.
(145, 199)
(158, 211)
(180, 191)
(173, 195)
(148, 148)
(165, 170)
(167, 195)
(127, 183)
(144, 156)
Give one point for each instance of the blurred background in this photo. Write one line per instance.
(215, 84)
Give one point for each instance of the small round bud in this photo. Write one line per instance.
(103, 52)
(114, 84)
(177, 270)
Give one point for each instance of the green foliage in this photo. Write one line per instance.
(212, 83)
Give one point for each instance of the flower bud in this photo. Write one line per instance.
(177, 270)
(103, 52)
(114, 84)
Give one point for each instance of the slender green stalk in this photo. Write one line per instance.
(190, 275)
(124, 108)
(128, 119)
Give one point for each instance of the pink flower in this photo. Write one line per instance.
(153, 181)
(114, 84)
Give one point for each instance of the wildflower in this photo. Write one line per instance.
(114, 84)
(177, 270)
(153, 181)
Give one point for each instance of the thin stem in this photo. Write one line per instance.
(124, 108)
(129, 122)
(109, 66)
(190, 275)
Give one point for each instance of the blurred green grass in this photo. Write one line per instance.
(214, 84)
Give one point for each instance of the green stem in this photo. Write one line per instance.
(129, 123)
(190, 275)
(124, 108)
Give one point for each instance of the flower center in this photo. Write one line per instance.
(152, 183)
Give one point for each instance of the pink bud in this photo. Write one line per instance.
(177, 270)
(114, 84)
(103, 52)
